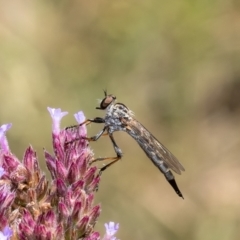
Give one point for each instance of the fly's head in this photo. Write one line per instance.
(108, 101)
(115, 110)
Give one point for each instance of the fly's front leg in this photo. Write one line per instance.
(94, 120)
(88, 121)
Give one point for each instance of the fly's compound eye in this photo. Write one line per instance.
(106, 102)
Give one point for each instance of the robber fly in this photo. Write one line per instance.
(119, 118)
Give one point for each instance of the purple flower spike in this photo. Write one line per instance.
(111, 229)
(61, 208)
(6, 233)
(57, 115)
(3, 140)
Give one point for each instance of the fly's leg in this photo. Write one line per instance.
(112, 159)
(88, 121)
(96, 137)
(94, 120)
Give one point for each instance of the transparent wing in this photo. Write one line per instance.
(155, 150)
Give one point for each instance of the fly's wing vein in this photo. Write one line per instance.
(149, 143)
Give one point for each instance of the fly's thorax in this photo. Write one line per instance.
(118, 111)
(117, 117)
(121, 111)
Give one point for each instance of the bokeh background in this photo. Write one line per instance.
(176, 64)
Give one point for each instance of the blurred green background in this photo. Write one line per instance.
(176, 64)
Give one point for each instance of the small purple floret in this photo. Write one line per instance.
(6, 233)
(79, 116)
(5, 127)
(57, 115)
(3, 140)
(1, 172)
(111, 230)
